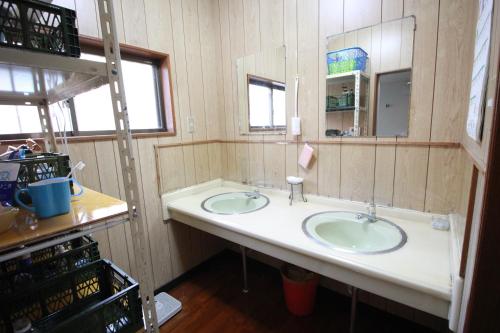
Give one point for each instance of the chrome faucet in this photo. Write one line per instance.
(372, 213)
(253, 195)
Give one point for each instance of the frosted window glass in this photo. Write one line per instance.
(19, 119)
(140, 91)
(260, 105)
(279, 115)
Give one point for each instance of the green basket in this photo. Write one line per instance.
(96, 298)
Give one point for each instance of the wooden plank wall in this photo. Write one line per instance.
(189, 32)
(418, 177)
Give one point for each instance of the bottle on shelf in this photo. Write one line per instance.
(350, 98)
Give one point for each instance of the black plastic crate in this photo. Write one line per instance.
(36, 167)
(47, 263)
(96, 298)
(39, 26)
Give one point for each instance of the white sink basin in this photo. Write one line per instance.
(353, 232)
(235, 203)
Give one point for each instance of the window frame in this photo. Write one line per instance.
(164, 90)
(271, 84)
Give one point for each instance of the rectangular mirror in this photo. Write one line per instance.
(261, 92)
(368, 81)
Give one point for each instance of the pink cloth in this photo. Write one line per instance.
(306, 156)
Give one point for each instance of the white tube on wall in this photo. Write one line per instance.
(295, 123)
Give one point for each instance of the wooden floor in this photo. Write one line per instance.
(212, 301)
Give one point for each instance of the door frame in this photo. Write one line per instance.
(484, 301)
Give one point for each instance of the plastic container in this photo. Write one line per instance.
(299, 286)
(331, 101)
(96, 298)
(36, 167)
(346, 60)
(39, 26)
(50, 262)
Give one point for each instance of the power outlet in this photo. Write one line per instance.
(190, 121)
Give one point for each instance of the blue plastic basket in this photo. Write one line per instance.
(346, 60)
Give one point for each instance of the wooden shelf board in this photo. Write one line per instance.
(89, 209)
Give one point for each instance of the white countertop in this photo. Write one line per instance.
(422, 264)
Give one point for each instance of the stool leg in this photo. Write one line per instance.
(302, 192)
(291, 194)
(354, 300)
(244, 262)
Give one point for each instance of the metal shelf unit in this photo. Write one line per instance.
(357, 77)
(55, 78)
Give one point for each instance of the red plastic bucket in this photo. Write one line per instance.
(299, 286)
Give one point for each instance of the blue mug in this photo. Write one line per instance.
(50, 197)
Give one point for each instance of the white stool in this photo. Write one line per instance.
(295, 181)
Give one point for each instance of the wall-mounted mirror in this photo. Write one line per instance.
(368, 82)
(261, 92)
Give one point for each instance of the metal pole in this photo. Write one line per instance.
(45, 119)
(127, 160)
(244, 262)
(354, 300)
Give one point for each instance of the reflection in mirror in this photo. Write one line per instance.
(393, 102)
(261, 92)
(266, 104)
(368, 80)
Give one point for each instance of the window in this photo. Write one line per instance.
(266, 104)
(147, 88)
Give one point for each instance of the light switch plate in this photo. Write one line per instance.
(190, 124)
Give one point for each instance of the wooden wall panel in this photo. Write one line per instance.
(275, 167)
(211, 68)
(194, 67)
(89, 177)
(135, 17)
(271, 23)
(183, 108)
(443, 190)
(307, 66)
(108, 179)
(87, 18)
(357, 172)
(410, 177)
(158, 19)
(329, 170)
(424, 59)
(361, 13)
(454, 59)
(392, 9)
(202, 165)
(158, 232)
(385, 159)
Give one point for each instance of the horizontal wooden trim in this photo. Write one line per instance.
(356, 142)
(184, 144)
(90, 42)
(432, 144)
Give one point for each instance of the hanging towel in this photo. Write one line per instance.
(306, 156)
